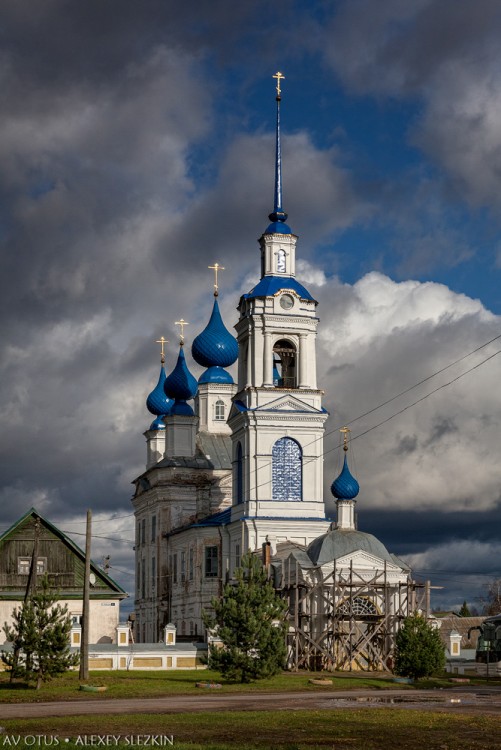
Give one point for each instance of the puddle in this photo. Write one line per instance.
(388, 701)
(411, 701)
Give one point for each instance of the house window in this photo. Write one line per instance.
(219, 411)
(455, 649)
(24, 565)
(287, 470)
(192, 563)
(153, 528)
(211, 562)
(153, 573)
(143, 531)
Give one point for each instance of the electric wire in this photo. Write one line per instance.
(351, 421)
(395, 414)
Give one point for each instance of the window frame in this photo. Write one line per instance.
(211, 559)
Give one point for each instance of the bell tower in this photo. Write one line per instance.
(277, 418)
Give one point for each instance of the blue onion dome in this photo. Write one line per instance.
(345, 487)
(180, 385)
(157, 402)
(158, 423)
(215, 346)
(215, 374)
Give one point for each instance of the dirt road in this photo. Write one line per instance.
(464, 699)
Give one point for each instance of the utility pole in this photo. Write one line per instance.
(31, 586)
(84, 643)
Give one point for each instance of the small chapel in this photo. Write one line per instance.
(238, 466)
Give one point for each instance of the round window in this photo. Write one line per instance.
(286, 301)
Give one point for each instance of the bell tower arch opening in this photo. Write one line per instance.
(284, 364)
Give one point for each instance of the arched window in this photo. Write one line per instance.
(240, 475)
(281, 267)
(287, 470)
(360, 606)
(219, 411)
(284, 364)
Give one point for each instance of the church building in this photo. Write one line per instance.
(243, 466)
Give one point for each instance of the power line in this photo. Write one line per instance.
(424, 380)
(97, 536)
(105, 520)
(400, 411)
(352, 421)
(427, 395)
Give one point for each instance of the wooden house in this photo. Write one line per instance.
(63, 562)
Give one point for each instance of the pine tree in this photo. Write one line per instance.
(249, 620)
(465, 610)
(40, 635)
(418, 649)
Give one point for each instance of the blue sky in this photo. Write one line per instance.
(136, 148)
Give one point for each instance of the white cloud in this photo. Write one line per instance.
(380, 337)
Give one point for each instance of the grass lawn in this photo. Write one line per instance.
(138, 684)
(367, 729)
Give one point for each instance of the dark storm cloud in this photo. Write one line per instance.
(104, 106)
(443, 55)
(394, 47)
(406, 444)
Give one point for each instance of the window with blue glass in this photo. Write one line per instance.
(287, 470)
(240, 475)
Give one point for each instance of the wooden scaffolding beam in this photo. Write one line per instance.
(328, 627)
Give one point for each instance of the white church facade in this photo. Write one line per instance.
(243, 468)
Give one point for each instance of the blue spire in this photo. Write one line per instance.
(278, 217)
(215, 348)
(158, 403)
(181, 386)
(345, 487)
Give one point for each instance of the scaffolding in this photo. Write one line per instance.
(346, 619)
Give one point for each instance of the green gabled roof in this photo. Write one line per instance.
(75, 549)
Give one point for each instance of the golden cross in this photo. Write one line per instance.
(181, 323)
(216, 267)
(279, 76)
(345, 432)
(162, 341)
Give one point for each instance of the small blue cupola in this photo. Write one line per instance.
(181, 386)
(345, 487)
(158, 403)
